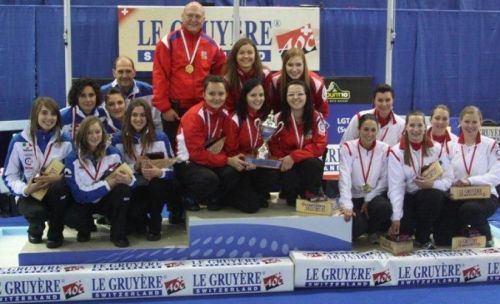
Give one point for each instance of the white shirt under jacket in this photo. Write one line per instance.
(390, 133)
(401, 176)
(485, 166)
(351, 173)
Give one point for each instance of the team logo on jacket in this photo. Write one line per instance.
(302, 38)
(471, 273)
(204, 55)
(382, 277)
(273, 281)
(73, 289)
(175, 285)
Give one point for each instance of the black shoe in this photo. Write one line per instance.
(264, 203)
(176, 217)
(214, 207)
(291, 202)
(51, 244)
(34, 238)
(121, 243)
(83, 237)
(153, 236)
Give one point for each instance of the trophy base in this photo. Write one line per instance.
(395, 247)
(263, 163)
(461, 242)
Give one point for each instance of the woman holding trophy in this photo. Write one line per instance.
(243, 137)
(475, 162)
(300, 144)
(150, 154)
(363, 181)
(417, 194)
(28, 171)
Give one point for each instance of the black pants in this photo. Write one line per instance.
(52, 208)
(206, 185)
(420, 211)
(379, 215)
(456, 215)
(303, 176)
(253, 188)
(114, 205)
(150, 199)
(170, 127)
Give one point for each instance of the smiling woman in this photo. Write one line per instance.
(36, 148)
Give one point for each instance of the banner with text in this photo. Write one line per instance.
(274, 29)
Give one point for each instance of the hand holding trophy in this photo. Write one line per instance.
(267, 130)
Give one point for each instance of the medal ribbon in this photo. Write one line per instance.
(94, 178)
(300, 140)
(190, 57)
(468, 169)
(421, 160)
(252, 143)
(365, 177)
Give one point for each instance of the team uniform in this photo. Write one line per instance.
(150, 196)
(141, 90)
(480, 165)
(363, 179)
(447, 141)
(25, 158)
(390, 128)
(182, 61)
(205, 176)
(316, 85)
(243, 137)
(72, 117)
(92, 193)
(416, 208)
(233, 96)
(306, 150)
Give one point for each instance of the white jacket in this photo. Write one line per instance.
(401, 176)
(351, 173)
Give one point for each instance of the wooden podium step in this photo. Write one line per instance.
(227, 233)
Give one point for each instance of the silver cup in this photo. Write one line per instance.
(267, 130)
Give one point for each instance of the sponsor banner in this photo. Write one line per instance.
(491, 132)
(341, 269)
(349, 90)
(273, 29)
(146, 280)
(446, 267)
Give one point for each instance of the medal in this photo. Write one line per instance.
(190, 57)
(366, 188)
(189, 68)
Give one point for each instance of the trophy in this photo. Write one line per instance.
(267, 130)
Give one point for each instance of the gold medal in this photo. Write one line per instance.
(189, 68)
(367, 188)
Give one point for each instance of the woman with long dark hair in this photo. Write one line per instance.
(138, 142)
(300, 144)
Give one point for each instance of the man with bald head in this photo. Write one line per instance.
(183, 59)
(130, 88)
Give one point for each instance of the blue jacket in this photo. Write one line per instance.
(71, 117)
(85, 180)
(161, 144)
(25, 159)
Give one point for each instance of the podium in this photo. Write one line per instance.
(227, 233)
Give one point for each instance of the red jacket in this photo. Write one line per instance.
(233, 97)
(238, 138)
(200, 126)
(170, 79)
(314, 143)
(316, 84)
